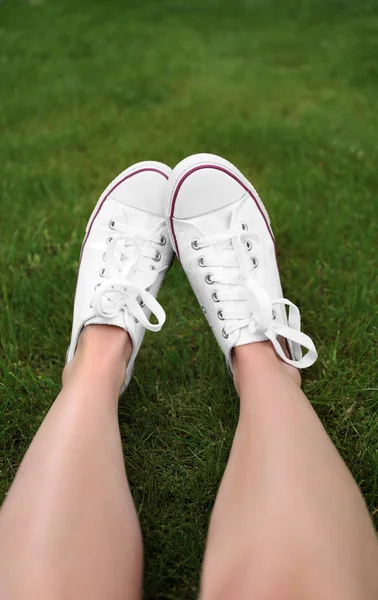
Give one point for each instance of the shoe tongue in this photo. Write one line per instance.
(140, 219)
(228, 218)
(214, 222)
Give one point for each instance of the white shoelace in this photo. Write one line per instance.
(130, 277)
(258, 312)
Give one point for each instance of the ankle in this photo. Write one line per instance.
(102, 353)
(259, 360)
(106, 340)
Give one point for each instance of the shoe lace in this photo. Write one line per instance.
(254, 309)
(129, 275)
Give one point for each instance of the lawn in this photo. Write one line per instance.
(286, 90)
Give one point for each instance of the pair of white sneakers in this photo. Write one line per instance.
(211, 216)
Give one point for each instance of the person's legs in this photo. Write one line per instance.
(68, 527)
(289, 522)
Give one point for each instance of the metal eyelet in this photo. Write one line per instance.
(220, 315)
(195, 244)
(97, 286)
(248, 243)
(148, 288)
(91, 304)
(141, 304)
(255, 262)
(111, 224)
(157, 256)
(274, 314)
(136, 320)
(104, 256)
(163, 240)
(215, 297)
(225, 335)
(204, 309)
(102, 273)
(152, 267)
(109, 240)
(244, 226)
(208, 279)
(201, 261)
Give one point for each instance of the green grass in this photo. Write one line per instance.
(286, 90)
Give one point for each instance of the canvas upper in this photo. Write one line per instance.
(221, 233)
(125, 254)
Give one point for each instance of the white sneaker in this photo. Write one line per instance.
(222, 236)
(125, 254)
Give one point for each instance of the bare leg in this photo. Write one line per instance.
(289, 522)
(68, 528)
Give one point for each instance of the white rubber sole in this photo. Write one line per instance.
(181, 171)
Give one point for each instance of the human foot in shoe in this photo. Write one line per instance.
(221, 233)
(125, 254)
